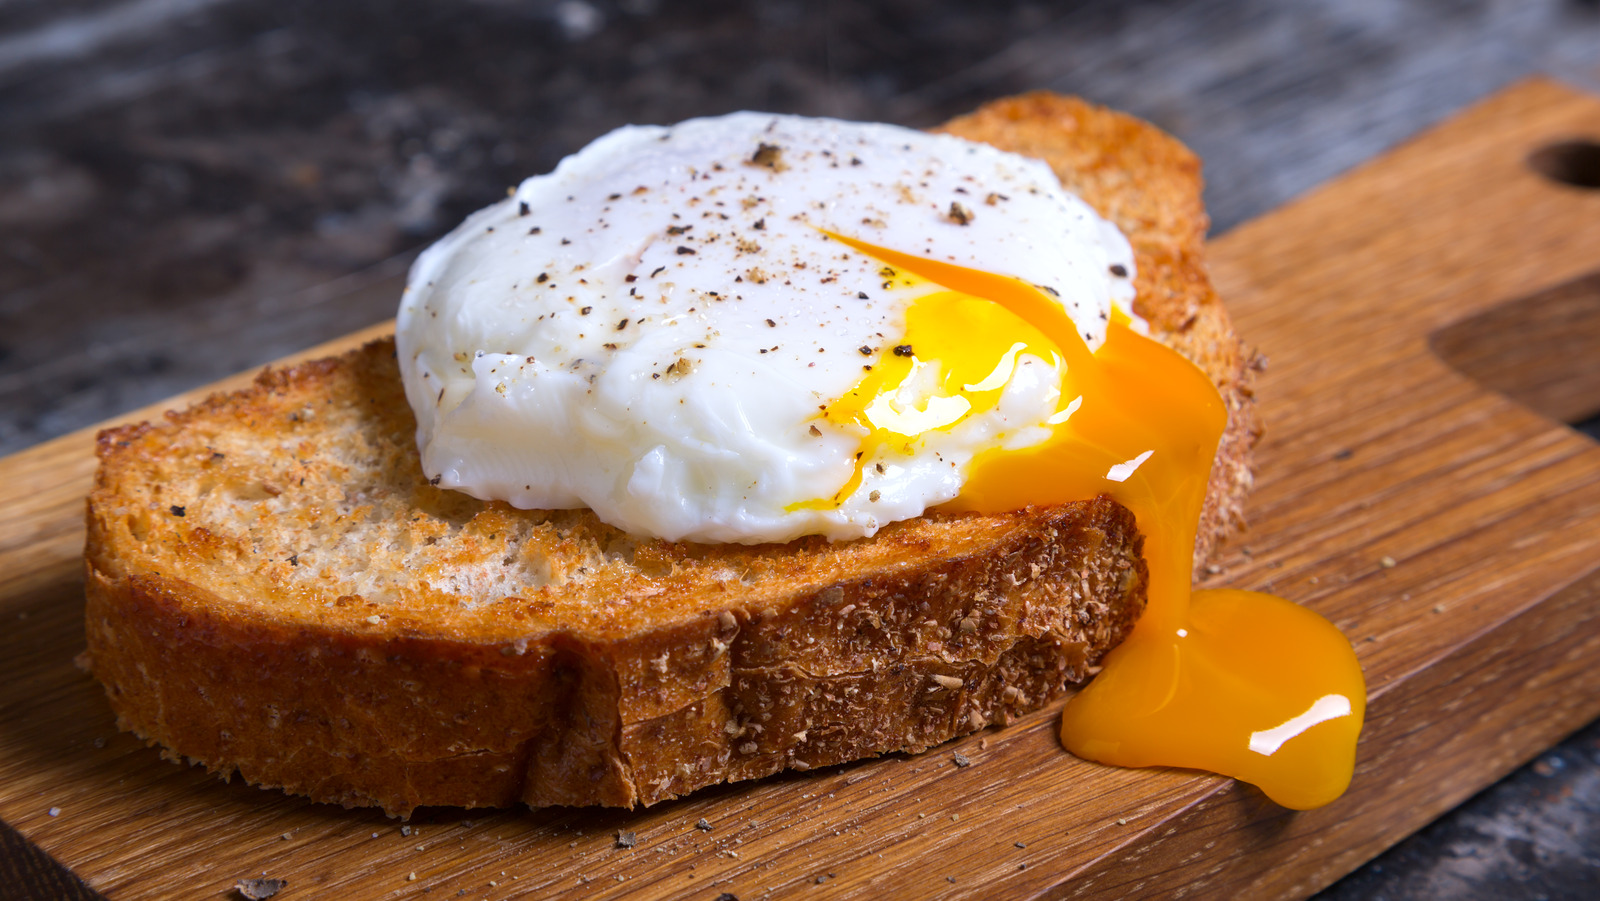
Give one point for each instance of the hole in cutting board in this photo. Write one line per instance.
(1575, 163)
(1542, 351)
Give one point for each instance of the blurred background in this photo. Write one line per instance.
(190, 188)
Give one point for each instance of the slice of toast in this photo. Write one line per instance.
(275, 590)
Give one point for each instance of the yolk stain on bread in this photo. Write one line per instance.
(1236, 682)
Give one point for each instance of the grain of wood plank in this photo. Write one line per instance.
(1378, 451)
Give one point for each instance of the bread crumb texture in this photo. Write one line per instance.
(275, 590)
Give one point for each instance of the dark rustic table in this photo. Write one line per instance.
(189, 188)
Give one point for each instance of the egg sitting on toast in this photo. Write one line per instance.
(753, 328)
(727, 334)
(677, 329)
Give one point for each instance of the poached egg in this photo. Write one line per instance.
(673, 329)
(758, 327)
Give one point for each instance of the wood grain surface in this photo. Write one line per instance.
(1448, 530)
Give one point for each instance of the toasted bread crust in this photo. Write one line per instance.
(275, 590)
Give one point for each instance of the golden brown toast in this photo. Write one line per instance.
(274, 589)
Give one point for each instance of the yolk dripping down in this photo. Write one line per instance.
(1240, 683)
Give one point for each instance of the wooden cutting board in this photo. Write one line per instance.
(1451, 531)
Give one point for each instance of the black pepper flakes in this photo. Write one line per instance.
(861, 294)
(543, 277)
(686, 251)
(658, 271)
(1119, 270)
(760, 225)
(958, 214)
(522, 208)
(177, 510)
(865, 350)
(902, 350)
(622, 325)
(768, 155)
(585, 311)
(534, 230)
(631, 278)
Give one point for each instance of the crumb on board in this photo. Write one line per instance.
(626, 839)
(259, 889)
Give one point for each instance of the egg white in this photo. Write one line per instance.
(652, 330)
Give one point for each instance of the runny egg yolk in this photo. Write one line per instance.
(1240, 683)
(907, 391)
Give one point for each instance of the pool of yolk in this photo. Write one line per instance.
(1240, 683)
